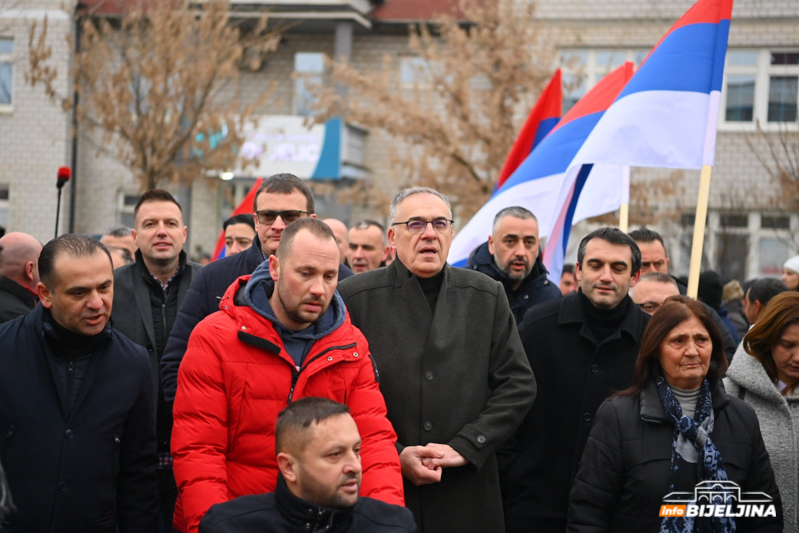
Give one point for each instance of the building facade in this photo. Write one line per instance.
(748, 233)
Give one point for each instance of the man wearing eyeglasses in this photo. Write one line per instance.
(652, 290)
(281, 199)
(452, 368)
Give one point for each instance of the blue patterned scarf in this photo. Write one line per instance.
(692, 438)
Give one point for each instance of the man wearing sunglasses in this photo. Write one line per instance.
(452, 368)
(281, 199)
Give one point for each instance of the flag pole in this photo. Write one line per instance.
(699, 230)
(624, 209)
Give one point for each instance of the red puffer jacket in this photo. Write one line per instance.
(236, 377)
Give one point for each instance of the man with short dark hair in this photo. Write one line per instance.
(282, 334)
(759, 295)
(581, 348)
(367, 246)
(452, 369)
(76, 404)
(19, 274)
(318, 454)
(513, 257)
(652, 290)
(568, 283)
(280, 200)
(655, 259)
(239, 233)
(147, 296)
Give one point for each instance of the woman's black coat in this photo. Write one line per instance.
(625, 471)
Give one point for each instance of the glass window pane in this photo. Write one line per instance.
(740, 98)
(573, 90)
(773, 254)
(775, 222)
(4, 191)
(573, 58)
(731, 252)
(6, 46)
(5, 83)
(782, 98)
(309, 62)
(741, 58)
(303, 97)
(785, 58)
(414, 70)
(608, 60)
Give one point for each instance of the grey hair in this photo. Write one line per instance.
(118, 231)
(515, 211)
(405, 193)
(368, 223)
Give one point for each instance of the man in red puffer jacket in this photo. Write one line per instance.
(281, 334)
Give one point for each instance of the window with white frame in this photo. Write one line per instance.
(592, 65)
(5, 191)
(6, 72)
(761, 87)
(414, 72)
(309, 68)
(126, 205)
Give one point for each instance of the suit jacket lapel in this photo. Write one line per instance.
(141, 291)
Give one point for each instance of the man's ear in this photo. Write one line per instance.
(274, 267)
(578, 272)
(30, 269)
(386, 253)
(44, 295)
(286, 463)
(391, 237)
(491, 244)
(135, 236)
(635, 278)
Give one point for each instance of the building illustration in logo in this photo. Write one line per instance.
(717, 492)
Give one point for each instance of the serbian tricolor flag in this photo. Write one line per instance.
(537, 182)
(544, 116)
(244, 208)
(666, 116)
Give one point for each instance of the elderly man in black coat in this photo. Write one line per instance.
(582, 349)
(452, 370)
(77, 437)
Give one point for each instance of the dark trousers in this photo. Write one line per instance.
(167, 495)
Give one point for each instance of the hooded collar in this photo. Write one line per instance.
(259, 289)
(747, 372)
(303, 512)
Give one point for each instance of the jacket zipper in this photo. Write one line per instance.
(8, 440)
(163, 318)
(295, 374)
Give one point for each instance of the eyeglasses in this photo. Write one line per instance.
(267, 217)
(649, 307)
(417, 225)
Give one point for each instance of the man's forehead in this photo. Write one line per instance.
(372, 233)
(159, 210)
(279, 201)
(71, 271)
(652, 248)
(307, 248)
(653, 288)
(526, 227)
(423, 205)
(602, 250)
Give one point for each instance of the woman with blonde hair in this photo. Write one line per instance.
(767, 379)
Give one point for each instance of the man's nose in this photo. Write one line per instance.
(429, 232)
(94, 301)
(318, 286)
(606, 274)
(352, 464)
(279, 223)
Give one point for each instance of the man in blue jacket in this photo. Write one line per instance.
(512, 256)
(280, 200)
(77, 436)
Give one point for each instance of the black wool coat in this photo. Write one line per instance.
(15, 300)
(626, 468)
(574, 375)
(92, 469)
(458, 377)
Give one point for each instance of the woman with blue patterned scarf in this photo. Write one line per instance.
(674, 453)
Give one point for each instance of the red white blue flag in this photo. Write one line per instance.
(544, 116)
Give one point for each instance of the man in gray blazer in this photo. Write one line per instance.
(452, 369)
(147, 296)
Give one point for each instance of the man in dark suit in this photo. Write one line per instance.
(77, 437)
(147, 296)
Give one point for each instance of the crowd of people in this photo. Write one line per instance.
(325, 378)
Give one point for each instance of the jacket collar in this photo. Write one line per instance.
(483, 261)
(748, 372)
(399, 273)
(652, 409)
(12, 287)
(571, 312)
(302, 512)
(148, 276)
